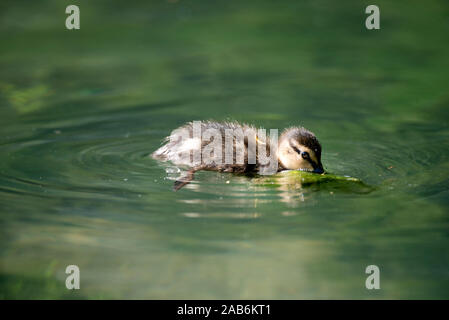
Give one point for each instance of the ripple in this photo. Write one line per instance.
(62, 166)
(379, 161)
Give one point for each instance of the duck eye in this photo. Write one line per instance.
(305, 155)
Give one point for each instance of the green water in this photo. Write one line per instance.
(81, 110)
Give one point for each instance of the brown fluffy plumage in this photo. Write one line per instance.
(295, 146)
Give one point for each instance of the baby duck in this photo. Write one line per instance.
(297, 149)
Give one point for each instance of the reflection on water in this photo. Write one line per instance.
(80, 116)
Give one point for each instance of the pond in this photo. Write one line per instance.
(81, 110)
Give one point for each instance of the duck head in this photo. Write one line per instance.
(299, 149)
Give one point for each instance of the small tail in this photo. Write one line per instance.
(160, 154)
(184, 180)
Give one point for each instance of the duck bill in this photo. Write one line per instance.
(318, 169)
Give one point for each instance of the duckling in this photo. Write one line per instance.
(296, 149)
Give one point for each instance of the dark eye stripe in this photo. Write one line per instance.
(294, 147)
(297, 150)
(305, 155)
